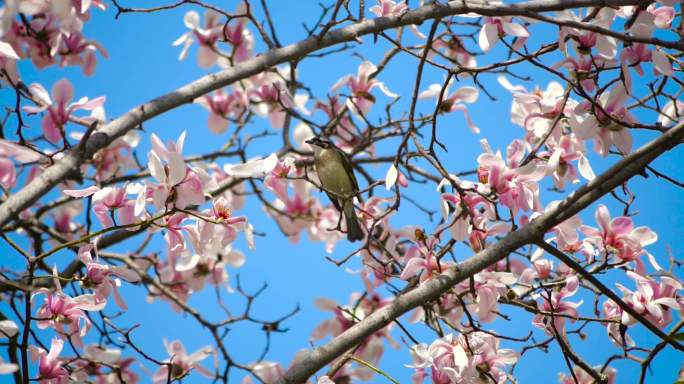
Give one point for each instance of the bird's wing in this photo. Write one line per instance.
(334, 198)
(349, 168)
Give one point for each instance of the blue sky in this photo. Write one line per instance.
(143, 65)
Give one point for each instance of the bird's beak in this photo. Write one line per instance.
(312, 141)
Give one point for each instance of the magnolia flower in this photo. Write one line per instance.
(58, 112)
(652, 300)
(619, 237)
(555, 302)
(206, 36)
(453, 49)
(454, 101)
(538, 109)
(50, 369)
(237, 34)
(66, 314)
(516, 186)
(361, 85)
(222, 106)
(560, 158)
(106, 201)
(452, 360)
(8, 170)
(182, 363)
(106, 365)
(386, 8)
(494, 28)
(637, 53)
(346, 316)
(604, 122)
(421, 258)
(75, 49)
(100, 277)
(178, 185)
(585, 40)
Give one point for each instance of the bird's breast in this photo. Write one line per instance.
(331, 172)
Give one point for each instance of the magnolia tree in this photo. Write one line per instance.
(542, 231)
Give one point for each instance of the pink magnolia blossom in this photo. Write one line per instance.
(8, 169)
(8, 328)
(239, 36)
(452, 47)
(116, 158)
(584, 40)
(50, 369)
(271, 99)
(560, 157)
(461, 211)
(652, 300)
(451, 360)
(182, 363)
(101, 278)
(537, 110)
(619, 237)
(495, 28)
(603, 122)
(555, 302)
(206, 36)
(222, 108)
(74, 49)
(58, 112)
(516, 186)
(361, 85)
(95, 367)
(110, 200)
(360, 307)
(386, 8)
(421, 258)
(662, 16)
(66, 314)
(178, 185)
(638, 53)
(64, 217)
(453, 101)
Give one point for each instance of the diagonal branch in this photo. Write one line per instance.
(431, 290)
(608, 292)
(71, 162)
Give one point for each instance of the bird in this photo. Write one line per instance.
(336, 174)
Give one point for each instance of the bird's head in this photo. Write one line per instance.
(319, 142)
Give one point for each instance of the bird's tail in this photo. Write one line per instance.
(354, 230)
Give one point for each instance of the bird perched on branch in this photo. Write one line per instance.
(336, 173)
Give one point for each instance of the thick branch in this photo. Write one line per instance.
(535, 230)
(71, 163)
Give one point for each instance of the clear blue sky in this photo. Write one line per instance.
(143, 65)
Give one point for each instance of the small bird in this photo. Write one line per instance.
(336, 173)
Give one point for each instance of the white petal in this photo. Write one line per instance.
(8, 328)
(81, 192)
(7, 51)
(252, 168)
(489, 35)
(191, 20)
(391, 177)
